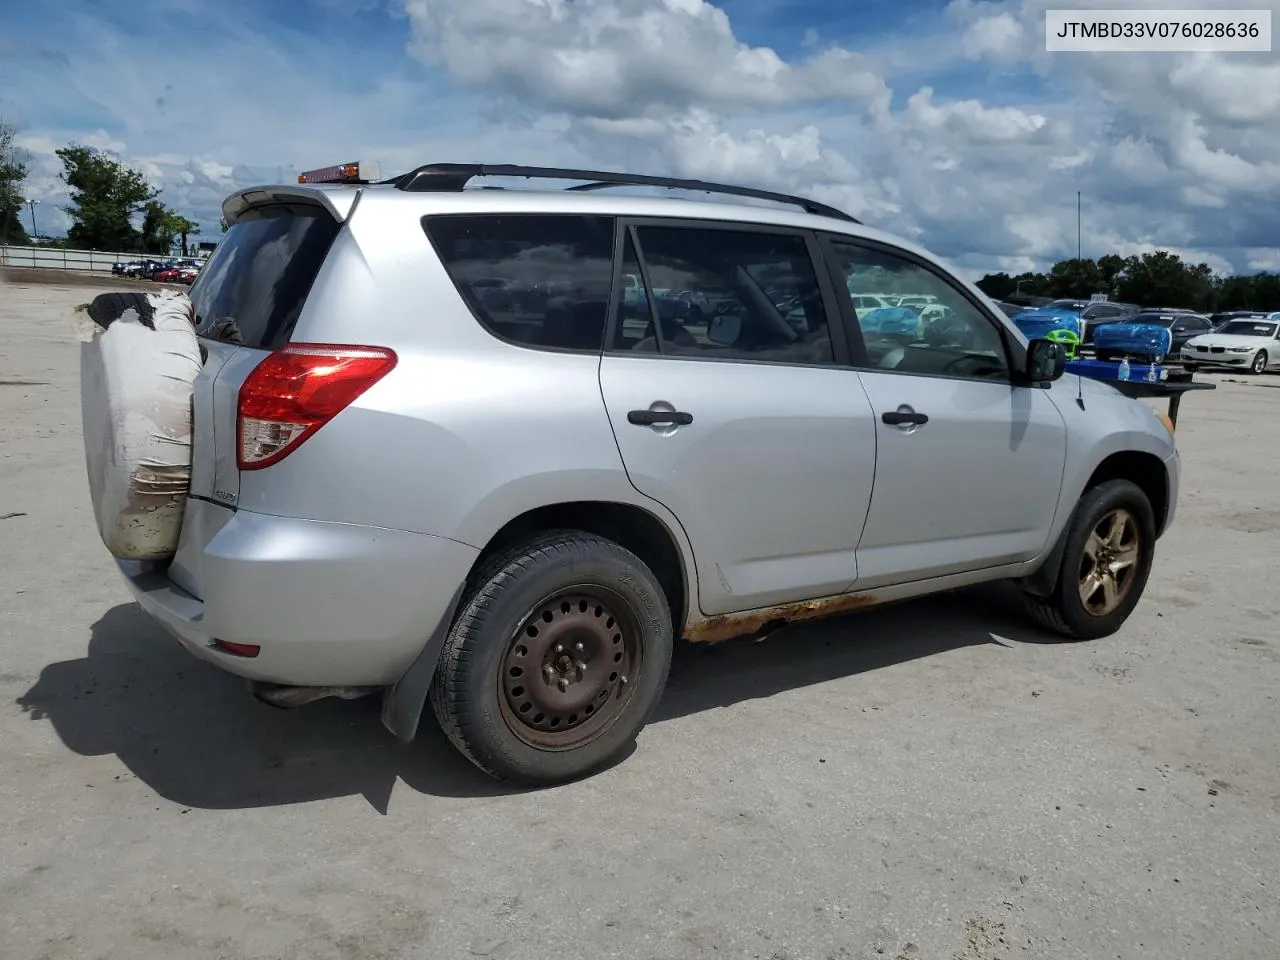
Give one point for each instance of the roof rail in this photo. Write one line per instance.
(451, 177)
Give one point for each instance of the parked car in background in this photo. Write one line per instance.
(184, 274)
(1009, 309)
(866, 302)
(1182, 326)
(1218, 320)
(1250, 344)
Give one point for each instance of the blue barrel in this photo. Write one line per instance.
(1035, 327)
(1137, 339)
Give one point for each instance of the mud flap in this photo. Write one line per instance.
(1044, 580)
(403, 702)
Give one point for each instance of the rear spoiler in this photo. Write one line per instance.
(338, 201)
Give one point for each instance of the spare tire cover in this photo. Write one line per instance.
(139, 359)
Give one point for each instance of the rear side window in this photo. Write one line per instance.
(538, 280)
(721, 294)
(253, 287)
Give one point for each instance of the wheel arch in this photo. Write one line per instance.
(639, 530)
(1146, 470)
(630, 526)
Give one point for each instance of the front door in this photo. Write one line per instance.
(968, 466)
(730, 409)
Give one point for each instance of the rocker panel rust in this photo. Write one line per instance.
(730, 625)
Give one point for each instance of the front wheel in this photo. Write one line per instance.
(555, 660)
(1259, 363)
(1105, 564)
(1191, 367)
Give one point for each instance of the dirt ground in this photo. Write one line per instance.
(934, 781)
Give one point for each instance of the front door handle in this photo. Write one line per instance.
(651, 418)
(896, 418)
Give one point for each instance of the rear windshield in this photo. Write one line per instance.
(255, 283)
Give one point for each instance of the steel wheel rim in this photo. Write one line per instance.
(1109, 565)
(570, 668)
(1259, 363)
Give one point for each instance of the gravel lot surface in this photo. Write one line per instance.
(933, 781)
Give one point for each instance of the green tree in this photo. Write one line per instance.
(997, 286)
(1030, 285)
(160, 226)
(13, 173)
(1073, 278)
(157, 228)
(185, 228)
(1109, 269)
(105, 196)
(1162, 279)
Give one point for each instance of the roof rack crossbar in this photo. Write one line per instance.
(452, 177)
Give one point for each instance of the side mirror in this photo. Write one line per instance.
(724, 330)
(1046, 361)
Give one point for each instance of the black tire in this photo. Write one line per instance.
(578, 575)
(1063, 611)
(1259, 363)
(1191, 367)
(106, 308)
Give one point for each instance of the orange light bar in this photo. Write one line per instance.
(359, 171)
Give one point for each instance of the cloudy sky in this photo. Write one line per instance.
(942, 121)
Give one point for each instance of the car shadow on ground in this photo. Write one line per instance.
(195, 736)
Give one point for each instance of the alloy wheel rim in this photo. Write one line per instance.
(569, 670)
(1109, 564)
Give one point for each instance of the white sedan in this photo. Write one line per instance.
(1251, 344)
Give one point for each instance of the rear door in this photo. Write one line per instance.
(741, 413)
(247, 300)
(968, 465)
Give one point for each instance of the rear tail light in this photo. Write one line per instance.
(296, 391)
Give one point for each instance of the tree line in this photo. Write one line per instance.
(112, 206)
(1158, 279)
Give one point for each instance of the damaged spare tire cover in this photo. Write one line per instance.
(139, 359)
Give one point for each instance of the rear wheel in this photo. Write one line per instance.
(556, 659)
(1259, 363)
(1106, 561)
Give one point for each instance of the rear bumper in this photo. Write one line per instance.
(330, 604)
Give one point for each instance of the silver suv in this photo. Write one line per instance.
(496, 449)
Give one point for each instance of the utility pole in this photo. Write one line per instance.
(1078, 247)
(34, 233)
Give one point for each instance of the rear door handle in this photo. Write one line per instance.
(651, 418)
(896, 418)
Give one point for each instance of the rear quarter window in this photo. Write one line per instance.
(537, 280)
(255, 283)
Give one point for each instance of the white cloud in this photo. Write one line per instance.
(1000, 37)
(620, 58)
(1179, 150)
(970, 120)
(1264, 259)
